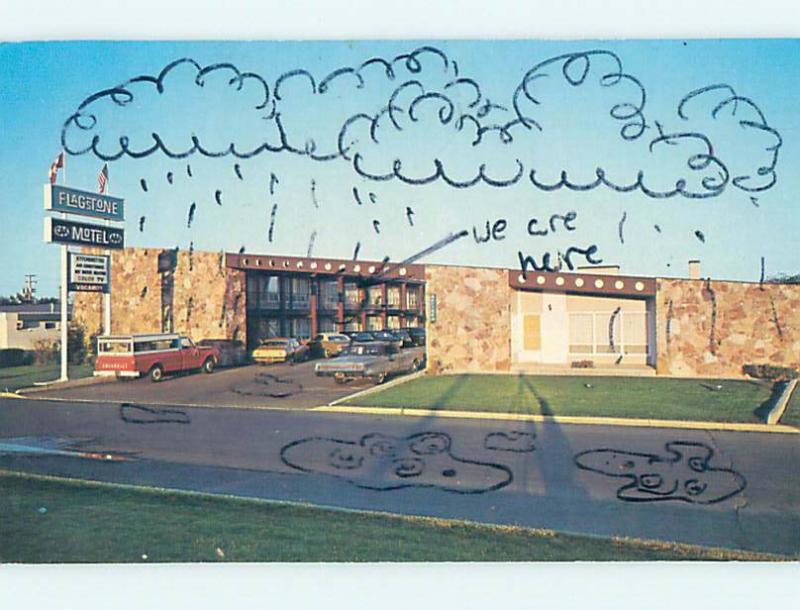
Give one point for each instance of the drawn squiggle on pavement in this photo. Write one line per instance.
(683, 473)
(381, 463)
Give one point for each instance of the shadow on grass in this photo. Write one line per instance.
(762, 411)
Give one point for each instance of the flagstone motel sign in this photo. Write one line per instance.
(83, 272)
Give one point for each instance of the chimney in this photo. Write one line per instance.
(694, 270)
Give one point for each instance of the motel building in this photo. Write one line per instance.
(481, 320)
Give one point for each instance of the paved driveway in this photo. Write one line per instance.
(290, 386)
(729, 489)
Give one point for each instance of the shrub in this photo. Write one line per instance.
(770, 372)
(14, 356)
(583, 364)
(45, 352)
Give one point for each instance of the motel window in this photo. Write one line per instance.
(269, 328)
(634, 333)
(51, 325)
(412, 297)
(353, 325)
(301, 328)
(300, 292)
(329, 294)
(393, 296)
(374, 323)
(581, 333)
(269, 296)
(603, 332)
(393, 322)
(327, 325)
(351, 296)
(375, 295)
(606, 332)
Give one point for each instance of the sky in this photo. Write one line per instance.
(660, 151)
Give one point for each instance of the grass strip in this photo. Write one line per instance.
(51, 520)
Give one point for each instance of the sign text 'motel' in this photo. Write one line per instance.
(81, 234)
(59, 198)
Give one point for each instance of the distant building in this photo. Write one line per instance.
(22, 326)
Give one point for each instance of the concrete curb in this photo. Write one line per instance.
(65, 385)
(561, 419)
(779, 409)
(397, 381)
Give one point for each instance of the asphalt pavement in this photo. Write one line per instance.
(282, 385)
(728, 489)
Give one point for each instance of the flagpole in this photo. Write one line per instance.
(64, 291)
(107, 294)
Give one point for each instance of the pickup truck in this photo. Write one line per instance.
(375, 360)
(152, 355)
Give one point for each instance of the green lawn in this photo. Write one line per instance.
(16, 377)
(791, 417)
(44, 521)
(642, 397)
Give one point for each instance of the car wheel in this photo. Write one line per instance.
(415, 365)
(380, 378)
(326, 353)
(340, 379)
(156, 373)
(208, 365)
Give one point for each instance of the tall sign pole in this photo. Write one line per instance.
(107, 294)
(82, 272)
(64, 296)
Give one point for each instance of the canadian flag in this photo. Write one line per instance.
(55, 166)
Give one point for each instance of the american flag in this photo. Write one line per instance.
(102, 179)
(55, 165)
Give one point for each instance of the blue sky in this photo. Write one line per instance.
(43, 84)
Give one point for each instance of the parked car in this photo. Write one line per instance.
(232, 353)
(152, 355)
(404, 336)
(328, 344)
(360, 336)
(388, 337)
(375, 360)
(280, 349)
(418, 335)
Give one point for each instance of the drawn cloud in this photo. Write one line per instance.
(222, 111)
(575, 121)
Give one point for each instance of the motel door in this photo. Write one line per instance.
(540, 328)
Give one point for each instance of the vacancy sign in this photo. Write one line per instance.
(89, 273)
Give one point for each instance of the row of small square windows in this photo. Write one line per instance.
(327, 266)
(579, 282)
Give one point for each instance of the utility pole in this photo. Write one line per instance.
(30, 286)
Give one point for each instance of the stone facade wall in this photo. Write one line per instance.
(714, 328)
(208, 298)
(472, 331)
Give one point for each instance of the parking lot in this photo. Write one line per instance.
(289, 386)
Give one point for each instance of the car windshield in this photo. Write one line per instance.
(274, 343)
(366, 350)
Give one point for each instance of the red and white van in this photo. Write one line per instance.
(152, 355)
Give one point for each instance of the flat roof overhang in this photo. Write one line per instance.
(584, 283)
(320, 267)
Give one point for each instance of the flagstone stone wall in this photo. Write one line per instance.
(208, 298)
(472, 330)
(714, 328)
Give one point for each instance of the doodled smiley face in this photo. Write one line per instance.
(382, 462)
(683, 474)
